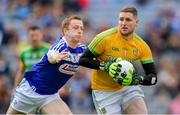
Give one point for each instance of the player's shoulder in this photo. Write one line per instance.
(27, 49)
(45, 45)
(60, 39)
(81, 45)
(108, 32)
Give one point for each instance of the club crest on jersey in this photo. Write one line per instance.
(135, 51)
(68, 69)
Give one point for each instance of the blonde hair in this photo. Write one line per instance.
(67, 20)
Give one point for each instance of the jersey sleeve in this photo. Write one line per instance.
(97, 45)
(83, 46)
(59, 45)
(146, 54)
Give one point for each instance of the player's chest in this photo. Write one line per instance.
(69, 64)
(72, 57)
(31, 58)
(123, 50)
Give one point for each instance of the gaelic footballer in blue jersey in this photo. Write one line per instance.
(39, 90)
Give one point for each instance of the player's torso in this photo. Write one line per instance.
(47, 78)
(31, 56)
(115, 46)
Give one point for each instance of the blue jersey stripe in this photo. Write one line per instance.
(61, 43)
(60, 47)
(55, 43)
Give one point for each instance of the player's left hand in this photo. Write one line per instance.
(136, 78)
(111, 66)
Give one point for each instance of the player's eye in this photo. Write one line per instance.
(125, 19)
(75, 27)
(78, 27)
(121, 19)
(128, 19)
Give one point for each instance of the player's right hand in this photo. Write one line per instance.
(111, 66)
(55, 56)
(114, 59)
(61, 55)
(114, 69)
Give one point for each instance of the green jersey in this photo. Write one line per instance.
(31, 56)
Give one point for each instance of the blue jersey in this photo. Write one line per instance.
(46, 78)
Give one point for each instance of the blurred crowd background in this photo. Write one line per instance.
(159, 26)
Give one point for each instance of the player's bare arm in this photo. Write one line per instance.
(19, 74)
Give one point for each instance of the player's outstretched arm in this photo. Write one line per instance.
(56, 56)
(111, 67)
(87, 60)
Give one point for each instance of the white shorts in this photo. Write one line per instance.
(27, 101)
(114, 102)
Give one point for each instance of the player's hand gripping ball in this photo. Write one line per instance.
(125, 74)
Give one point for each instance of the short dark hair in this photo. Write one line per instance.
(34, 27)
(130, 9)
(68, 19)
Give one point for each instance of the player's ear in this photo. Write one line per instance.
(65, 30)
(137, 21)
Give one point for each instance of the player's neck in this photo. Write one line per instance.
(128, 37)
(36, 46)
(71, 43)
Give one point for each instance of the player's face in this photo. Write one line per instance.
(35, 37)
(75, 30)
(127, 23)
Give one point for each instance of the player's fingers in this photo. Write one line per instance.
(63, 53)
(118, 59)
(62, 56)
(112, 72)
(65, 50)
(118, 69)
(123, 75)
(131, 70)
(58, 60)
(120, 81)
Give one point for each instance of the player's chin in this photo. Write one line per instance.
(125, 33)
(77, 40)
